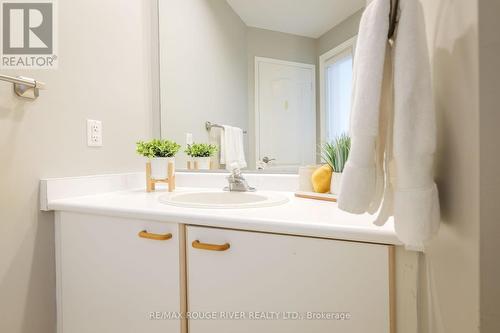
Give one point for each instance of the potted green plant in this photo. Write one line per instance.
(160, 153)
(201, 153)
(335, 153)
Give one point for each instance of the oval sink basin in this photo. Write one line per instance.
(222, 199)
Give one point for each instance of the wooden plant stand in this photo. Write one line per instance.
(192, 165)
(170, 180)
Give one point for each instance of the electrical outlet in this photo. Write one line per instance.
(94, 133)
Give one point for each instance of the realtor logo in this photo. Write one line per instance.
(28, 34)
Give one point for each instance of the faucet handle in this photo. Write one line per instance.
(234, 169)
(267, 159)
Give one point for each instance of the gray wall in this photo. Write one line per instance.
(489, 82)
(340, 33)
(203, 68)
(105, 72)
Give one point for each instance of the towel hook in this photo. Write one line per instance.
(393, 17)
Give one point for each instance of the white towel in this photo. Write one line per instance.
(416, 202)
(232, 152)
(359, 192)
(214, 138)
(396, 118)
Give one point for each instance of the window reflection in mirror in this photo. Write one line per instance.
(336, 71)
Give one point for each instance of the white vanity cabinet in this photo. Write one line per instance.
(252, 276)
(127, 275)
(110, 279)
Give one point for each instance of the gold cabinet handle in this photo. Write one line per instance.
(148, 235)
(210, 247)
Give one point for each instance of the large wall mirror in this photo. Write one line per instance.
(265, 81)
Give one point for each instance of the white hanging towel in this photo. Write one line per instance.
(393, 126)
(231, 147)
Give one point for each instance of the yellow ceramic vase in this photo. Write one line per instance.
(321, 179)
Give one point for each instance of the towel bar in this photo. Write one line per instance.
(209, 125)
(24, 86)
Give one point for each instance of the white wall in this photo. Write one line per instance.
(203, 68)
(99, 41)
(453, 257)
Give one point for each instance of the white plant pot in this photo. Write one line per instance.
(335, 183)
(203, 163)
(159, 167)
(305, 174)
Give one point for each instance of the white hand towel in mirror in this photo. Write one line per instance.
(214, 138)
(232, 150)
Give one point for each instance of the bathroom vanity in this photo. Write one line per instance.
(111, 279)
(126, 262)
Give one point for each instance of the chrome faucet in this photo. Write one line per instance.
(238, 183)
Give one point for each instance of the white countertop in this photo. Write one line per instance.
(299, 216)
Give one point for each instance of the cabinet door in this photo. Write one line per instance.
(276, 283)
(110, 280)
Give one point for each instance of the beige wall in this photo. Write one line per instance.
(453, 257)
(489, 73)
(100, 41)
(203, 69)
